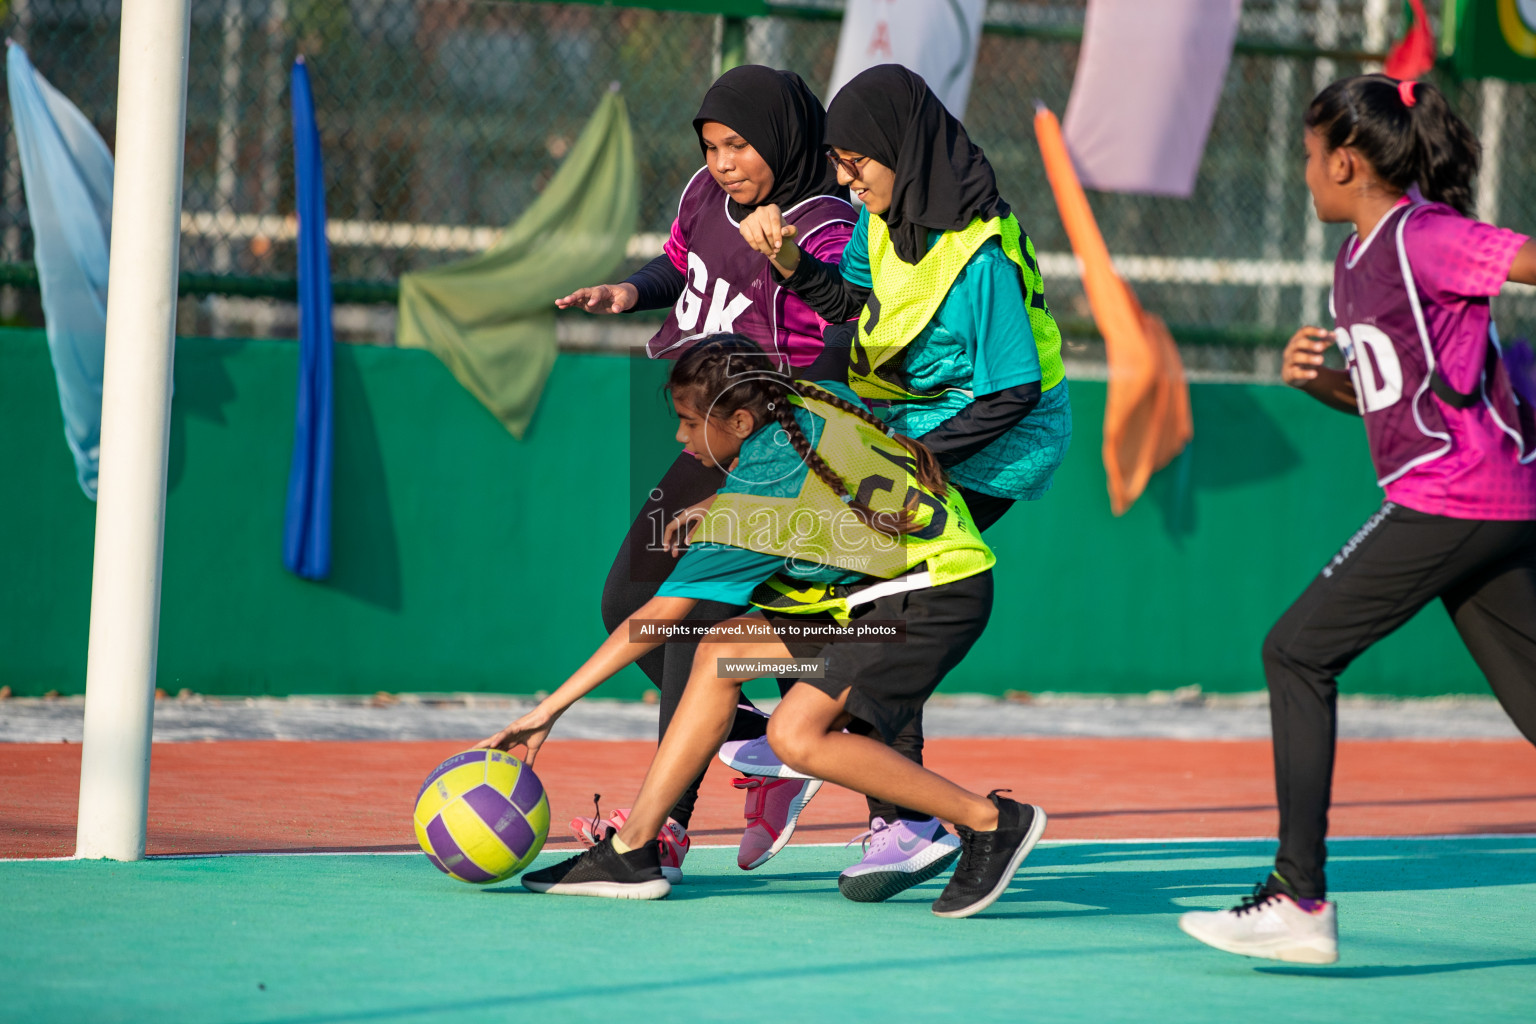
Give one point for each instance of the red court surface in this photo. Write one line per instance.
(297, 796)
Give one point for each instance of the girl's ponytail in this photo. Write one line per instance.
(1446, 153)
(1406, 131)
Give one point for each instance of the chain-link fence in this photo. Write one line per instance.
(442, 119)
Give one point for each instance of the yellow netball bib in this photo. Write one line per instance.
(906, 297)
(816, 528)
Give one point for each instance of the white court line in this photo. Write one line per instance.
(1164, 841)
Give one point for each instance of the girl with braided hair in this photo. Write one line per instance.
(838, 531)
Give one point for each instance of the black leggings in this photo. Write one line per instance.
(638, 572)
(1483, 571)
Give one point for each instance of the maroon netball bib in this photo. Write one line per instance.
(1380, 329)
(731, 287)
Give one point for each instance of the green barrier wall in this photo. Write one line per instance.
(465, 560)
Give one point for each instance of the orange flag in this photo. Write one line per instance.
(1146, 417)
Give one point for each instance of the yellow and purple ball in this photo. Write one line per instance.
(482, 816)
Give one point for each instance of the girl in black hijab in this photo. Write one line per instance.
(954, 338)
(928, 336)
(942, 180)
(784, 122)
(760, 131)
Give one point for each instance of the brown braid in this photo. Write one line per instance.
(929, 473)
(706, 369)
(889, 523)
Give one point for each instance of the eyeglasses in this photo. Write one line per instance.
(849, 167)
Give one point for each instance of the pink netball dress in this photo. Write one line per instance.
(1449, 434)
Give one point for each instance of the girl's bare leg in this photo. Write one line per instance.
(700, 724)
(805, 732)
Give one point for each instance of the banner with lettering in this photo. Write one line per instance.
(935, 38)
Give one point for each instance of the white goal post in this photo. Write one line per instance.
(135, 414)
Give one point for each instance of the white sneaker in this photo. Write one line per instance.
(756, 757)
(1272, 926)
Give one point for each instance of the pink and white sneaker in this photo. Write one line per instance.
(1270, 924)
(773, 807)
(593, 830)
(672, 837)
(674, 847)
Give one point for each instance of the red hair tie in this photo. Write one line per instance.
(1405, 91)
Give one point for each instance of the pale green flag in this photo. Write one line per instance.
(491, 318)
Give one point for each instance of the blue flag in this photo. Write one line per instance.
(307, 522)
(67, 170)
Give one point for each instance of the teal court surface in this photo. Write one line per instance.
(1430, 930)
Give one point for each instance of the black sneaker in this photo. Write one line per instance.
(603, 871)
(989, 859)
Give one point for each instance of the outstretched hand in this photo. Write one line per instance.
(767, 232)
(602, 298)
(531, 731)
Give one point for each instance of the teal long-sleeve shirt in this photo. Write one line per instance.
(979, 342)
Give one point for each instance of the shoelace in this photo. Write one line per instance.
(666, 838)
(976, 847)
(975, 851)
(597, 813)
(877, 832)
(1254, 900)
(597, 828)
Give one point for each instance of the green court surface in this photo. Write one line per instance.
(1432, 930)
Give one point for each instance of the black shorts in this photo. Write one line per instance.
(889, 681)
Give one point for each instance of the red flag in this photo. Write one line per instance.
(1414, 54)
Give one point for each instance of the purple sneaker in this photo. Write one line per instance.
(756, 757)
(897, 856)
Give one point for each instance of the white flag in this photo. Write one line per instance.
(1148, 79)
(935, 38)
(67, 171)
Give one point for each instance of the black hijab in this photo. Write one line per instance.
(784, 121)
(943, 180)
